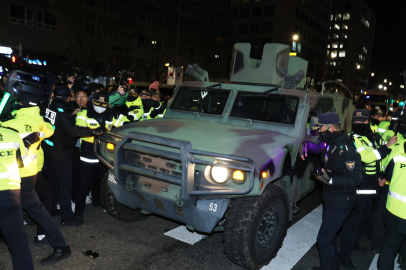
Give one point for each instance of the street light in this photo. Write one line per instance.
(384, 88)
(295, 37)
(358, 66)
(380, 86)
(167, 65)
(385, 81)
(372, 74)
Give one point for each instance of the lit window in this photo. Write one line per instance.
(333, 54)
(380, 86)
(294, 46)
(217, 56)
(345, 27)
(335, 35)
(341, 54)
(328, 46)
(153, 42)
(299, 47)
(341, 45)
(334, 45)
(338, 17)
(385, 80)
(364, 50)
(331, 18)
(361, 57)
(339, 80)
(385, 88)
(336, 27)
(402, 86)
(346, 16)
(328, 52)
(343, 35)
(332, 63)
(390, 83)
(372, 74)
(358, 66)
(365, 21)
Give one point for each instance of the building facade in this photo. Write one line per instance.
(349, 50)
(105, 36)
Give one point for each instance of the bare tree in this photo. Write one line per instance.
(157, 56)
(78, 35)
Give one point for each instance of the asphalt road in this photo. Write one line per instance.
(143, 245)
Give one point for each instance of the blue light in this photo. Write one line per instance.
(44, 62)
(367, 96)
(401, 103)
(35, 78)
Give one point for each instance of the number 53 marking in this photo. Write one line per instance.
(213, 207)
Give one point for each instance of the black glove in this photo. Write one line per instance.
(321, 175)
(98, 130)
(131, 118)
(148, 102)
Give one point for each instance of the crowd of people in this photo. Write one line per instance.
(363, 189)
(48, 167)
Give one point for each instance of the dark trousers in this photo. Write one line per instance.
(91, 175)
(393, 242)
(75, 172)
(59, 176)
(379, 227)
(369, 227)
(367, 214)
(333, 219)
(36, 210)
(45, 195)
(11, 222)
(349, 231)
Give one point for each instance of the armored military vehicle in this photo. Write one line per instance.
(225, 156)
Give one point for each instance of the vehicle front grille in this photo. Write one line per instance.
(153, 163)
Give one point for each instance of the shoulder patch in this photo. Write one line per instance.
(350, 165)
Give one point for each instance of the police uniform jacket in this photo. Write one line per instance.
(33, 130)
(343, 166)
(396, 202)
(61, 143)
(90, 118)
(372, 153)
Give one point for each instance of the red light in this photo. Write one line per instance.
(13, 59)
(130, 80)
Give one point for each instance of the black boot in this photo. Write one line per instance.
(73, 221)
(347, 264)
(58, 254)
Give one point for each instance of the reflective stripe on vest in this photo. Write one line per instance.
(9, 145)
(378, 156)
(88, 160)
(381, 130)
(366, 191)
(396, 203)
(28, 160)
(133, 114)
(397, 196)
(361, 149)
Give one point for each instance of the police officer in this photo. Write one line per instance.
(33, 130)
(58, 150)
(368, 145)
(11, 213)
(395, 216)
(133, 106)
(157, 110)
(91, 170)
(340, 176)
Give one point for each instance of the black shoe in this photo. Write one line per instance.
(82, 216)
(358, 248)
(58, 254)
(347, 264)
(41, 242)
(73, 221)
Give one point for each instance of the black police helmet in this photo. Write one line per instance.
(101, 98)
(28, 99)
(61, 92)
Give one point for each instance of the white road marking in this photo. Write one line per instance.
(375, 261)
(183, 234)
(299, 239)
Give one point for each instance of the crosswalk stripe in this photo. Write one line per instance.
(374, 266)
(299, 239)
(183, 234)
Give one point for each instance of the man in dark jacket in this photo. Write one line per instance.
(58, 150)
(340, 177)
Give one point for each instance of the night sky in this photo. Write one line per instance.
(390, 30)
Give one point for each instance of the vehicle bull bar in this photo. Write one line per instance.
(185, 157)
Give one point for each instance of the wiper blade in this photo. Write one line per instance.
(214, 85)
(271, 90)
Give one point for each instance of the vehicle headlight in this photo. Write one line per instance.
(219, 174)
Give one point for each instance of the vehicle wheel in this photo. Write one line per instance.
(116, 209)
(255, 228)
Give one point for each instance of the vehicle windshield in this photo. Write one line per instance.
(201, 100)
(266, 107)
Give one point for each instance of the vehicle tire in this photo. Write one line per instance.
(248, 219)
(116, 209)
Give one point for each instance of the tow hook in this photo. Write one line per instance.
(179, 201)
(129, 185)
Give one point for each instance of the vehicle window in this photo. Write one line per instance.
(272, 107)
(210, 101)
